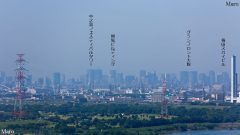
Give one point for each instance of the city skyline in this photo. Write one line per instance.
(119, 67)
(56, 38)
(183, 78)
(108, 72)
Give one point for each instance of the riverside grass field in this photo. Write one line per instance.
(119, 118)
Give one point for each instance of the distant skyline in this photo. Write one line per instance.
(150, 35)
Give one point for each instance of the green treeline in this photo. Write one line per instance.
(91, 118)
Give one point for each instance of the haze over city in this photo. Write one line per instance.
(120, 67)
(150, 35)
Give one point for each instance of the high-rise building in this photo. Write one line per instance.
(29, 80)
(63, 80)
(40, 82)
(212, 77)
(2, 77)
(233, 79)
(142, 79)
(129, 81)
(56, 79)
(152, 79)
(184, 78)
(223, 78)
(120, 79)
(202, 79)
(48, 82)
(113, 76)
(90, 79)
(193, 78)
(94, 78)
(142, 74)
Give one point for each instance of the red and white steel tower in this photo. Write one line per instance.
(20, 87)
(164, 101)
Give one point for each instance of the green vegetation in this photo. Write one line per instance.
(69, 118)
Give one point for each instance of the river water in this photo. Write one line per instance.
(210, 132)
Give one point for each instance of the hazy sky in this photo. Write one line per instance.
(150, 34)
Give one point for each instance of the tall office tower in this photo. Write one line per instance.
(120, 79)
(203, 79)
(223, 78)
(40, 82)
(142, 74)
(129, 81)
(2, 78)
(184, 78)
(29, 80)
(63, 80)
(98, 76)
(112, 81)
(90, 79)
(94, 78)
(193, 78)
(56, 83)
(48, 82)
(56, 79)
(152, 79)
(233, 78)
(212, 77)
